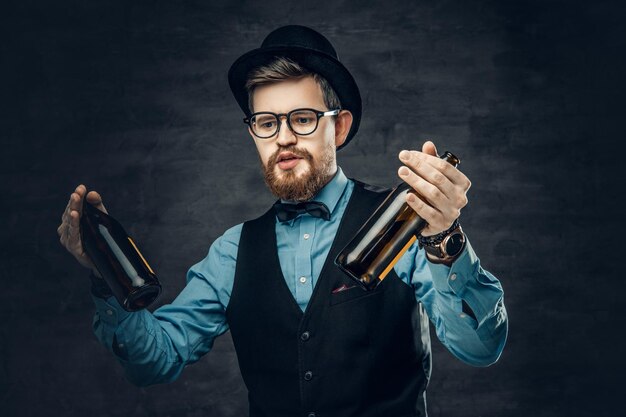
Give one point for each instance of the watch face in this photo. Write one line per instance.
(454, 245)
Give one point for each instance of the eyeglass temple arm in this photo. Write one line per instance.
(330, 112)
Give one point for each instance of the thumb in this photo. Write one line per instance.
(94, 198)
(429, 148)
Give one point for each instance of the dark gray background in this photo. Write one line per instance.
(131, 99)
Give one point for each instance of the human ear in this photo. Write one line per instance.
(251, 134)
(343, 123)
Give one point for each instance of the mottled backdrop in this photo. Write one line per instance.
(131, 99)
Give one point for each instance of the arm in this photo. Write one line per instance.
(475, 334)
(155, 347)
(464, 302)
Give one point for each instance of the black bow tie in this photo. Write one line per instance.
(286, 211)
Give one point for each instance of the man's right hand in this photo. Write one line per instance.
(69, 229)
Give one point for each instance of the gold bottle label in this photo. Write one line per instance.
(140, 255)
(397, 258)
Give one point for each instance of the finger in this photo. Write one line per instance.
(80, 191)
(75, 205)
(74, 202)
(429, 148)
(95, 199)
(455, 176)
(431, 215)
(74, 229)
(433, 195)
(431, 174)
(63, 237)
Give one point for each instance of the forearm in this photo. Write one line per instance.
(473, 343)
(155, 347)
(477, 333)
(144, 351)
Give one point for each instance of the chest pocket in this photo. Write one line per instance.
(352, 293)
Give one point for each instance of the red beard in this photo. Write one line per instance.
(288, 186)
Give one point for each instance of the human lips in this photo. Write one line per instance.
(287, 160)
(285, 156)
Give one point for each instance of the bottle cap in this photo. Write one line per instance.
(451, 158)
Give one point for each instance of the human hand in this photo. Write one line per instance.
(69, 229)
(440, 187)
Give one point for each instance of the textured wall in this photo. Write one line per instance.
(131, 99)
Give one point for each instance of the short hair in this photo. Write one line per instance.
(282, 68)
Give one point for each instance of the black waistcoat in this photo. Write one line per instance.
(352, 353)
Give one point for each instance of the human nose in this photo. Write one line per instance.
(285, 134)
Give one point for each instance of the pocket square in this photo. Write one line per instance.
(343, 287)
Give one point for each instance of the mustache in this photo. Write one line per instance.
(302, 153)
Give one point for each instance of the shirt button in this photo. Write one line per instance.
(121, 345)
(462, 315)
(306, 236)
(109, 312)
(305, 336)
(303, 279)
(308, 375)
(452, 277)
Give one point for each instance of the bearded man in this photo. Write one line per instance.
(310, 342)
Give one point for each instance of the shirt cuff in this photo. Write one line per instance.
(109, 310)
(447, 279)
(469, 282)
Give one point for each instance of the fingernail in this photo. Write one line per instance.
(404, 171)
(411, 197)
(405, 155)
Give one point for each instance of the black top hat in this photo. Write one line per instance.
(309, 49)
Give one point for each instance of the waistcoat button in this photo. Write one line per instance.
(308, 375)
(305, 336)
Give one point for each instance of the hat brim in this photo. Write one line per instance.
(331, 69)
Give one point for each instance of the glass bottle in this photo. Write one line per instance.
(386, 235)
(117, 258)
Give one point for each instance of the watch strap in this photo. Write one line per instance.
(435, 240)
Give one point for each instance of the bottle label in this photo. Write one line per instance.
(397, 258)
(140, 255)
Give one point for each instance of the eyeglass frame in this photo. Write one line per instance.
(318, 113)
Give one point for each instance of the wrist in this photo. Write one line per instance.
(444, 247)
(99, 287)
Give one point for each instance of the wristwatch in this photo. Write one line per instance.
(447, 248)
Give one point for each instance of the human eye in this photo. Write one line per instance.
(303, 118)
(265, 122)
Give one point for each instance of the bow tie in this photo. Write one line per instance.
(286, 211)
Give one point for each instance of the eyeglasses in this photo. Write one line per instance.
(302, 122)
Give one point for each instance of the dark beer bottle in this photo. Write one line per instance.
(116, 257)
(386, 235)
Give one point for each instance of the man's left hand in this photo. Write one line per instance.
(440, 187)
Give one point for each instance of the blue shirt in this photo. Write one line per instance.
(155, 347)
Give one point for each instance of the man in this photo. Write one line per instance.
(309, 341)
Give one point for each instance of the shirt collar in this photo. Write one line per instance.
(331, 192)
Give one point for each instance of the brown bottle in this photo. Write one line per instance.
(116, 257)
(386, 235)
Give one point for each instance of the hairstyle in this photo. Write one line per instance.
(282, 68)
